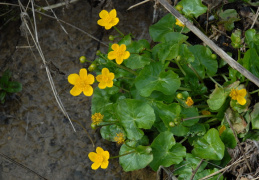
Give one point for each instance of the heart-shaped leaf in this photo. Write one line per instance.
(153, 77)
(134, 114)
(209, 146)
(193, 8)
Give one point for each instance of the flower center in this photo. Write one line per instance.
(82, 85)
(120, 53)
(109, 19)
(99, 158)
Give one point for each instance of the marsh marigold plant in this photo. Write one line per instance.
(238, 95)
(105, 79)
(82, 83)
(97, 118)
(108, 19)
(100, 158)
(119, 53)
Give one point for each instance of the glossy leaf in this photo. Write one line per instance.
(252, 39)
(134, 114)
(251, 61)
(228, 138)
(210, 146)
(109, 132)
(135, 160)
(255, 117)
(165, 151)
(190, 112)
(153, 77)
(193, 8)
(217, 98)
(13, 87)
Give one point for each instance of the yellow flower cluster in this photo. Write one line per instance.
(105, 79)
(97, 118)
(119, 138)
(119, 53)
(238, 95)
(100, 158)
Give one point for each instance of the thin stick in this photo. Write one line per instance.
(238, 142)
(135, 5)
(196, 169)
(235, 65)
(256, 16)
(58, 5)
(21, 165)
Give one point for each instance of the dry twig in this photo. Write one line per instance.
(135, 5)
(256, 16)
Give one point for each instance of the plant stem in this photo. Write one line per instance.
(122, 155)
(120, 66)
(254, 91)
(184, 89)
(202, 116)
(238, 54)
(184, 139)
(180, 67)
(122, 89)
(195, 72)
(118, 31)
(211, 120)
(211, 78)
(225, 78)
(85, 131)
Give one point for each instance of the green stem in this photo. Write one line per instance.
(225, 78)
(239, 54)
(184, 139)
(122, 88)
(211, 120)
(254, 91)
(211, 78)
(88, 61)
(180, 67)
(186, 42)
(122, 155)
(118, 31)
(202, 116)
(106, 125)
(120, 66)
(195, 72)
(85, 131)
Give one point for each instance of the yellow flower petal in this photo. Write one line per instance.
(111, 76)
(102, 85)
(119, 60)
(75, 91)
(126, 55)
(242, 92)
(83, 74)
(103, 14)
(108, 26)
(115, 47)
(96, 165)
(222, 129)
(123, 47)
(112, 55)
(113, 13)
(101, 22)
(104, 164)
(105, 72)
(115, 21)
(99, 78)
(99, 150)
(241, 100)
(109, 84)
(89, 91)
(72, 78)
(90, 78)
(92, 156)
(106, 155)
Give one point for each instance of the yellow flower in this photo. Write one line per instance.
(81, 82)
(238, 95)
(119, 53)
(100, 158)
(119, 138)
(108, 19)
(189, 101)
(179, 23)
(97, 118)
(105, 79)
(205, 112)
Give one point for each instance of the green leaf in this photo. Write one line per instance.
(165, 151)
(4, 80)
(252, 39)
(251, 61)
(136, 61)
(13, 87)
(125, 40)
(185, 168)
(167, 51)
(186, 55)
(135, 160)
(217, 98)
(190, 112)
(109, 132)
(153, 77)
(255, 117)
(203, 55)
(193, 8)
(228, 17)
(228, 138)
(207, 172)
(134, 114)
(180, 130)
(2, 96)
(209, 146)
